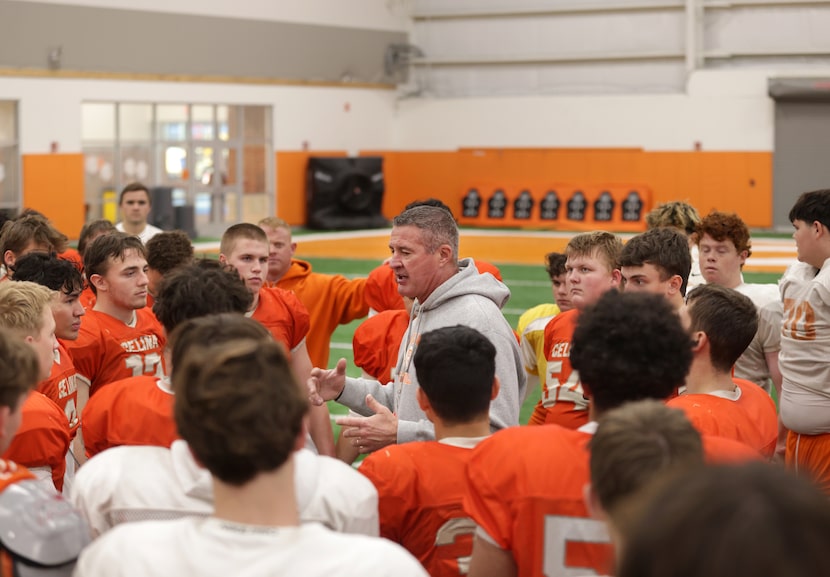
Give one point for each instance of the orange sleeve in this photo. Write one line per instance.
(349, 298)
(720, 450)
(42, 439)
(300, 316)
(376, 342)
(382, 290)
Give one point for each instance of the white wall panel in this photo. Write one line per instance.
(373, 14)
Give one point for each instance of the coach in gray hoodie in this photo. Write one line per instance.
(424, 245)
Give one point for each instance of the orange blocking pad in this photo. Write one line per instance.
(54, 185)
(561, 206)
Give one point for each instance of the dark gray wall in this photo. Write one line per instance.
(130, 41)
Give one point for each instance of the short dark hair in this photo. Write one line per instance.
(33, 227)
(193, 291)
(50, 271)
(434, 202)
(630, 346)
(634, 444)
(92, 230)
(132, 187)
(242, 230)
(719, 521)
(555, 264)
(812, 206)
(110, 246)
(667, 249)
(729, 319)
(456, 367)
(169, 250)
(725, 226)
(238, 405)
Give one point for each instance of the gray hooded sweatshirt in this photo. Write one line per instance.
(467, 298)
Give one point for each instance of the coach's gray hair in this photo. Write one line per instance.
(437, 225)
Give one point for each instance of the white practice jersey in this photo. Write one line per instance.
(128, 484)
(211, 546)
(752, 364)
(805, 349)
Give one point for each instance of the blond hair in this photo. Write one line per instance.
(21, 306)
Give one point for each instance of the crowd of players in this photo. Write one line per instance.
(165, 415)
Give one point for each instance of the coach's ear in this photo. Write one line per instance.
(496, 388)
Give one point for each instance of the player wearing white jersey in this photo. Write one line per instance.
(127, 484)
(805, 340)
(243, 415)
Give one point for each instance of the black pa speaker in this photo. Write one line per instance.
(344, 193)
(161, 208)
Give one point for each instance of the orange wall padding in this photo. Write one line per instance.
(728, 181)
(54, 185)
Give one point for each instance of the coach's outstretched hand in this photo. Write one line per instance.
(326, 384)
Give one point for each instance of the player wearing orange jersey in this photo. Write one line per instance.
(331, 300)
(421, 485)
(722, 322)
(66, 281)
(376, 342)
(29, 232)
(139, 410)
(89, 232)
(119, 337)
(525, 484)
(245, 248)
(592, 270)
(42, 532)
(25, 311)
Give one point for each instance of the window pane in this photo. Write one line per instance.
(222, 115)
(172, 121)
(100, 178)
(203, 169)
(255, 123)
(135, 122)
(8, 121)
(254, 167)
(174, 164)
(202, 122)
(8, 178)
(97, 122)
(136, 164)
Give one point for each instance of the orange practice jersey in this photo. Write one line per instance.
(134, 411)
(525, 490)
(721, 417)
(107, 350)
(282, 313)
(376, 342)
(761, 410)
(42, 440)
(88, 299)
(720, 450)
(420, 490)
(331, 300)
(61, 387)
(563, 402)
(382, 290)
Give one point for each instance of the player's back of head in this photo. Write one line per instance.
(20, 368)
(238, 405)
(729, 319)
(636, 443)
(630, 346)
(676, 214)
(456, 367)
(195, 291)
(169, 250)
(753, 519)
